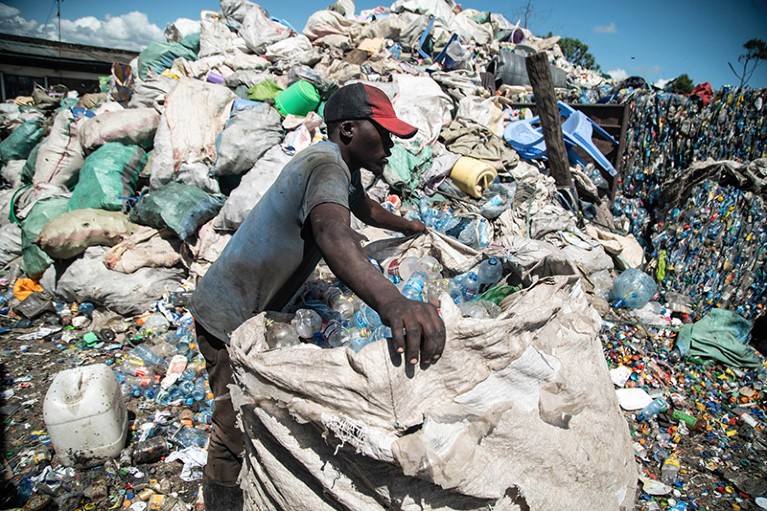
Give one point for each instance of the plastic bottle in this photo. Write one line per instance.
(406, 267)
(367, 317)
(154, 324)
(176, 368)
(433, 289)
(339, 302)
(335, 334)
(669, 470)
(150, 358)
(306, 323)
(693, 423)
(464, 287)
(473, 310)
(633, 289)
(413, 288)
(430, 266)
(648, 412)
(359, 338)
(150, 450)
(445, 221)
(188, 437)
(489, 272)
(281, 335)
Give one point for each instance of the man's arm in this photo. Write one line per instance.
(424, 331)
(372, 213)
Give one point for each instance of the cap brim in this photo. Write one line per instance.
(396, 126)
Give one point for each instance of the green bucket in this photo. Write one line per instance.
(298, 99)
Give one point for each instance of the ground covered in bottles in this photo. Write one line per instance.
(721, 453)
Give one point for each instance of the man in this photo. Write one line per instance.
(305, 216)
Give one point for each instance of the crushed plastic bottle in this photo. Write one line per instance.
(633, 289)
(307, 322)
(653, 409)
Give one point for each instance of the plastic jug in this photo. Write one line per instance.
(472, 175)
(85, 415)
(298, 99)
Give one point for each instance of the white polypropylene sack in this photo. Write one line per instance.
(60, 157)
(216, 38)
(209, 245)
(294, 50)
(421, 102)
(252, 187)
(195, 113)
(11, 172)
(515, 415)
(470, 30)
(483, 111)
(10, 243)
(249, 134)
(152, 91)
(323, 23)
(259, 31)
(87, 279)
(132, 126)
(146, 248)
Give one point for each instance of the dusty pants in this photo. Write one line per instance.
(226, 444)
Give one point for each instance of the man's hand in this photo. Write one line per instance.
(416, 329)
(414, 227)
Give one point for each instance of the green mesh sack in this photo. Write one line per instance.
(33, 259)
(159, 56)
(109, 173)
(182, 208)
(20, 143)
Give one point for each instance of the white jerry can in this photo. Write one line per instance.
(85, 415)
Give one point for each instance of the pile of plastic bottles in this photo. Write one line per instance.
(470, 229)
(668, 132)
(333, 316)
(715, 249)
(167, 367)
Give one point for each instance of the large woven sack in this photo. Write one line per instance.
(87, 279)
(514, 415)
(108, 177)
(60, 156)
(132, 126)
(70, 234)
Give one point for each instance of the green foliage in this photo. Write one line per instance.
(577, 53)
(682, 84)
(756, 51)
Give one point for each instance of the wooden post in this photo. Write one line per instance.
(546, 102)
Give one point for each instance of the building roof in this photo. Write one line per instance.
(27, 51)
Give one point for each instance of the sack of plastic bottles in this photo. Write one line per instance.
(633, 289)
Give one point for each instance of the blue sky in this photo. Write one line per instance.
(654, 39)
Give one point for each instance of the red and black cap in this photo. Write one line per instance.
(362, 101)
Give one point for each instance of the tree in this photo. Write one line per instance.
(756, 51)
(576, 52)
(682, 84)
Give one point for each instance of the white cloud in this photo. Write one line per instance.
(618, 74)
(6, 11)
(131, 31)
(611, 28)
(661, 83)
(12, 23)
(187, 26)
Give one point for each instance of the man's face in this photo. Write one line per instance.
(372, 146)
